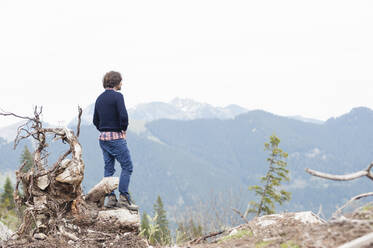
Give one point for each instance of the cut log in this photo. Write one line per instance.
(104, 187)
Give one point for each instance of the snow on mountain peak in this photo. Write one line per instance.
(187, 105)
(178, 108)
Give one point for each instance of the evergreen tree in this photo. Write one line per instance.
(150, 229)
(270, 194)
(26, 156)
(163, 236)
(7, 199)
(144, 227)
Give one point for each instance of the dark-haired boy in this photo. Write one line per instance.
(111, 119)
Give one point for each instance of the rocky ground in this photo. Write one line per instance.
(91, 240)
(288, 230)
(295, 230)
(110, 228)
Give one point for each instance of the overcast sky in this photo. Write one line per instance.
(310, 58)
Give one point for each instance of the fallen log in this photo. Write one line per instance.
(359, 242)
(99, 191)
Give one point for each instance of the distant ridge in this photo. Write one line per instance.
(181, 109)
(354, 114)
(176, 109)
(304, 119)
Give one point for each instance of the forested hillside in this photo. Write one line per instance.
(185, 161)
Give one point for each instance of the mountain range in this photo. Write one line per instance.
(176, 109)
(185, 160)
(179, 109)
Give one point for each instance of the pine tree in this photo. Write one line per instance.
(270, 194)
(7, 199)
(150, 229)
(26, 156)
(163, 236)
(144, 226)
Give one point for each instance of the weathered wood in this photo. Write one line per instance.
(48, 191)
(68, 235)
(104, 187)
(43, 182)
(122, 217)
(241, 215)
(346, 177)
(53, 196)
(73, 174)
(80, 111)
(5, 232)
(74, 171)
(203, 238)
(339, 210)
(359, 242)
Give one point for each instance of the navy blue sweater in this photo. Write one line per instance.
(110, 112)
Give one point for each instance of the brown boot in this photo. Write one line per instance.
(124, 202)
(112, 202)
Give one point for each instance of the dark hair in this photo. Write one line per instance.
(111, 79)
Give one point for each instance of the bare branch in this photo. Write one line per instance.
(201, 239)
(346, 177)
(239, 213)
(350, 201)
(79, 121)
(4, 113)
(370, 176)
(16, 195)
(60, 159)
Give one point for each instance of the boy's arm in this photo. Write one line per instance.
(122, 111)
(96, 118)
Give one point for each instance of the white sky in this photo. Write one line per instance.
(312, 58)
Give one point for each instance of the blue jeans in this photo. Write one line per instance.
(117, 150)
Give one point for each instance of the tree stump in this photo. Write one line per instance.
(52, 195)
